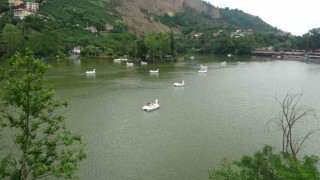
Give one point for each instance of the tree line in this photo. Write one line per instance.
(155, 45)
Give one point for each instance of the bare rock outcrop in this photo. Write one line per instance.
(138, 15)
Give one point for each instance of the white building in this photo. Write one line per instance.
(31, 6)
(21, 13)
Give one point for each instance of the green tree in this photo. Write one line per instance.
(223, 44)
(172, 44)
(44, 145)
(90, 50)
(244, 45)
(141, 49)
(266, 164)
(33, 22)
(12, 39)
(43, 44)
(35, 42)
(50, 42)
(4, 7)
(314, 38)
(158, 44)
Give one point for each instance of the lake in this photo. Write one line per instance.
(219, 114)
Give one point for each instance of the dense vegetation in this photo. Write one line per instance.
(309, 41)
(286, 164)
(243, 20)
(267, 164)
(59, 25)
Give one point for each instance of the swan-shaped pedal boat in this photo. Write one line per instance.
(179, 84)
(203, 67)
(154, 71)
(151, 106)
(144, 63)
(91, 72)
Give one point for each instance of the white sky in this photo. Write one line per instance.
(296, 17)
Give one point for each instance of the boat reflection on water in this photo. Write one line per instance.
(154, 74)
(91, 75)
(76, 62)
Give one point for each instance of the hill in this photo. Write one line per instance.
(65, 22)
(143, 15)
(244, 20)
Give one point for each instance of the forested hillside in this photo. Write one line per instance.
(69, 18)
(244, 20)
(58, 26)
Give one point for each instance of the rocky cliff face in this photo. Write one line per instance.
(201, 6)
(141, 22)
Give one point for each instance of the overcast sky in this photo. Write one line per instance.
(296, 17)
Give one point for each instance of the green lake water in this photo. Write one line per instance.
(220, 114)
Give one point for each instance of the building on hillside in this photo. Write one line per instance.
(108, 27)
(195, 35)
(76, 50)
(238, 33)
(269, 48)
(198, 35)
(15, 2)
(249, 31)
(216, 34)
(91, 29)
(31, 6)
(21, 13)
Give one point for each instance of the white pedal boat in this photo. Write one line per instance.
(91, 72)
(151, 106)
(203, 67)
(179, 84)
